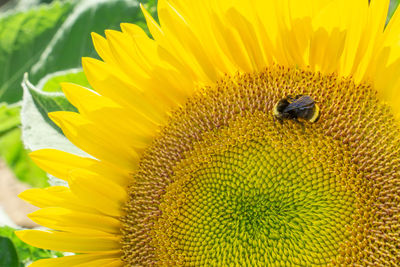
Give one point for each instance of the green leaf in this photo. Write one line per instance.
(38, 131)
(73, 40)
(16, 156)
(51, 83)
(49, 102)
(392, 8)
(54, 37)
(26, 253)
(12, 150)
(9, 118)
(23, 38)
(8, 254)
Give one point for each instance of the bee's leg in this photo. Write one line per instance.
(299, 122)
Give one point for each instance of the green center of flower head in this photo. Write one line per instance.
(227, 184)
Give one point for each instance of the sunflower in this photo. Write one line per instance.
(189, 165)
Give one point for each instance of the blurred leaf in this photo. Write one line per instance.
(51, 83)
(12, 150)
(16, 156)
(18, 5)
(9, 118)
(73, 40)
(54, 37)
(26, 253)
(49, 102)
(11, 146)
(392, 8)
(151, 7)
(23, 38)
(38, 131)
(50, 99)
(8, 254)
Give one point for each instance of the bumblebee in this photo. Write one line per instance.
(298, 107)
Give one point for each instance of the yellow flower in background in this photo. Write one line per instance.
(190, 167)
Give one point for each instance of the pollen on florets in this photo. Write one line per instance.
(224, 183)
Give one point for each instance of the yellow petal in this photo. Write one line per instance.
(353, 48)
(372, 37)
(55, 196)
(87, 260)
(99, 192)
(143, 46)
(102, 111)
(205, 33)
(153, 26)
(73, 221)
(69, 242)
(102, 48)
(113, 263)
(84, 99)
(96, 140)
(59, 163)
(102, 79)
(121, 47)
(248, 36)
(136, 133)
(183, 39)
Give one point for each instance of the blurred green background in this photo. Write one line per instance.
(47, 39)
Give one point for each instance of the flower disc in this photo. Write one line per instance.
(225, 183)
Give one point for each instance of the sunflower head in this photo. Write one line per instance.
(226, 183)
(198, 158)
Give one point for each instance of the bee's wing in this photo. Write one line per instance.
(301, 103)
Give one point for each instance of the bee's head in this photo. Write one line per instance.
(280, 107)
